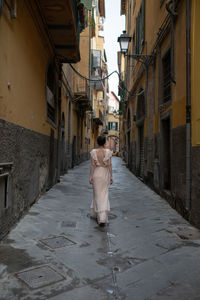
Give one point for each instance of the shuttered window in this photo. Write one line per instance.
(140, 28)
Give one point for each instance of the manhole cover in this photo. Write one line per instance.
(40, 276)
(57, 242)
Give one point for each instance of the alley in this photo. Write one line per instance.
(147, 252)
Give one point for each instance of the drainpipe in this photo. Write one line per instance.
(173, 14)
(59, 122)
(188, 105)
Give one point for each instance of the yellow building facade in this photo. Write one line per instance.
(98, 71)
(45, 109)
(158, 139)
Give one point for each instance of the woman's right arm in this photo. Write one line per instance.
(92, 170)
(110, 170)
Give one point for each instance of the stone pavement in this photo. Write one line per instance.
(148, 251)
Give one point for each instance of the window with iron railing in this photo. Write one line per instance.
(51, 93)
(140, 105)
(166, 76)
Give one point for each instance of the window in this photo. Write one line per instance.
(166, 76)
(4, 180)
(51, 93)
(111, 108)
(112, 126)
(96, 59)
(140, 105)
(140, 28)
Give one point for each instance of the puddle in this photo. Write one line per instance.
(15, 259)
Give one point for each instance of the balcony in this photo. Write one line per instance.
(82, 92)
(62, 20)
(98, 117)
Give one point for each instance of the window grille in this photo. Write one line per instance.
(4, 179)
(166, 67)
(51, 93)
(140, 106)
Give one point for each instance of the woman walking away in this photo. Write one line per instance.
(99, 176)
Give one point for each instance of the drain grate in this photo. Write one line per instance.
(57, 242)
(39, 276)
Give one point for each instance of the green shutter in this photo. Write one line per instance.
(116, 126)
(143, 22)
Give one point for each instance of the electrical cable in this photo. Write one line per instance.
(89, 79)
(102, 79)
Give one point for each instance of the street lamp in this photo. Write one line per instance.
(115, 113)
(124, 40)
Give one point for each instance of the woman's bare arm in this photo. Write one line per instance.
(110, 170)
(92, 167)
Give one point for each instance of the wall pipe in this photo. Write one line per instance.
(188, 105)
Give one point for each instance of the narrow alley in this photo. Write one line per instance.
(148, 251)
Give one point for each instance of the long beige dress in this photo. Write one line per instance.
(100, 204)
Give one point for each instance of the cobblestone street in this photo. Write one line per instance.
(148, 251)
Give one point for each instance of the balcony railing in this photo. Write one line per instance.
(81, 86)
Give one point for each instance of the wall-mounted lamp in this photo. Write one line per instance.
(124, 41)
(115, 113)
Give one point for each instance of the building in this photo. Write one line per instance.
(159, 104)
(45, 109)
(98, 71)
(113, 121)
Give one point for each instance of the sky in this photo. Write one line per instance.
(113, 27)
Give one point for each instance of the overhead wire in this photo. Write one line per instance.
(104, 78)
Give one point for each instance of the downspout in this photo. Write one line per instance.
(173, 14)
(59, 122)
(188, 105)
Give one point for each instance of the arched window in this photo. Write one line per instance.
(51, 92)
